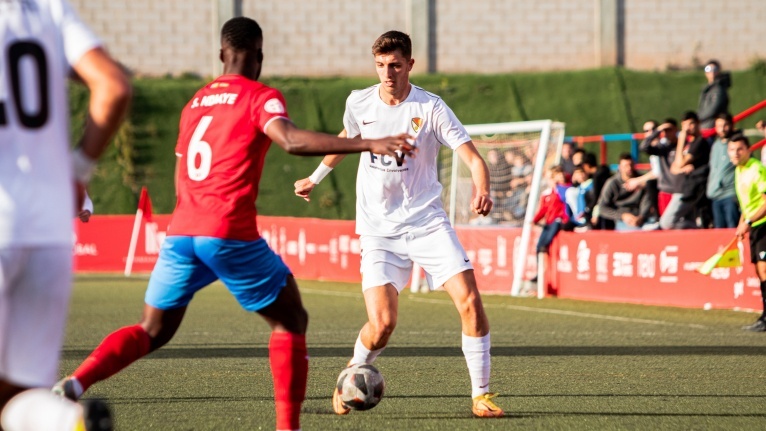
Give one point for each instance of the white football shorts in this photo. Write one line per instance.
(35, 286)
(389, 259)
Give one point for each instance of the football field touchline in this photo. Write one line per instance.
(570, 313)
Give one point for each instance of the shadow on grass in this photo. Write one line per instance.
(201, 352)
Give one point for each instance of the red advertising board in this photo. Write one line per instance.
(654, 268)
(312, 248)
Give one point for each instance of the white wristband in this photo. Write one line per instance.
(319, 174)
(82, 166)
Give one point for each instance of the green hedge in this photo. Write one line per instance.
(589, 102)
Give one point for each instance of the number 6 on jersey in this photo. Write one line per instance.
(199, 147)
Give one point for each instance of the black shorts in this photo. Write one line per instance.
(758, 243)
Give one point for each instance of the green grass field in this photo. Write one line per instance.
(558, 364)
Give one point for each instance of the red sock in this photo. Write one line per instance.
(118, 350)
(290, 368)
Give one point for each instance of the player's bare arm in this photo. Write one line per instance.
(110, 93)
(307, 143)
(304, 186)
(481, 202)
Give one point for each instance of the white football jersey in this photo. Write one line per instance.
(40, 41)
(394, 194)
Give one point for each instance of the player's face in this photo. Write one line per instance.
(738, 152)
(394, 72)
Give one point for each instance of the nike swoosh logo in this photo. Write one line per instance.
(364, 123)
(465, 260)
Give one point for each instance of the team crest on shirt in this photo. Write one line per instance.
(416, 122)
(274, 106)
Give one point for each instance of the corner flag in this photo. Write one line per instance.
(144, 212)
(725, 258)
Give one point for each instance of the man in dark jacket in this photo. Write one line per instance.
(714, 98)
(628, 209)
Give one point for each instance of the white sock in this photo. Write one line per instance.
(363, 355)
(40, 410)
(476, 351)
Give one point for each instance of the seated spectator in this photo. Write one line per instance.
(577, 156)
(662, 143)
(499, 184)
(720, 182)
(551, 208)
(692, 156)
(600, 174)
(629, 210)
(521, 180)
(580, 200)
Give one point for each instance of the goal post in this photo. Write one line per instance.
(517, 154)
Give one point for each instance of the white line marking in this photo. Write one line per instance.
(570, 313)
(521, 308)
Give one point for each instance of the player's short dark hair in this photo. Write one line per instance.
(740, 137)
(726, 117)
(670, 121)
(690, 115)
(391, 41)
(578, 150)
(589, 159)
(626, 156)
(241, 33)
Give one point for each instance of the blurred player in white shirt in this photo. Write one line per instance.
(43, 42)
(399, 213)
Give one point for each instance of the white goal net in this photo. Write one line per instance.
(517, 155)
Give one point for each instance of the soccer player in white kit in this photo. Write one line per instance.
(41, 43)
(399, 213)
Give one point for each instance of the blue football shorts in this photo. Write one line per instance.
(252, 272)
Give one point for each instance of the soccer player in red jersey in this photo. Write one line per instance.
(225, 131)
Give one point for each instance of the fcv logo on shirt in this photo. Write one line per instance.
(386, 160)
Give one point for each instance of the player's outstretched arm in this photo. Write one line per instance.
(307, 143)
(304, 186)
(481, 202)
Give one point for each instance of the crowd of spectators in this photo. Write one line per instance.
(690, 183)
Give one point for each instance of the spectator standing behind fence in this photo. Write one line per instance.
(714, 98)
(720, 182)
(566, 163)
(692, 156)
(662, 143)
(750, 180)
(628, 209)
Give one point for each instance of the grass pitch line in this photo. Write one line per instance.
(357, 295)
(570, 313)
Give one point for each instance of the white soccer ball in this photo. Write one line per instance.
(361, 387)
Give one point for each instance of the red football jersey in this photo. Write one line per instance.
(221, 147)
